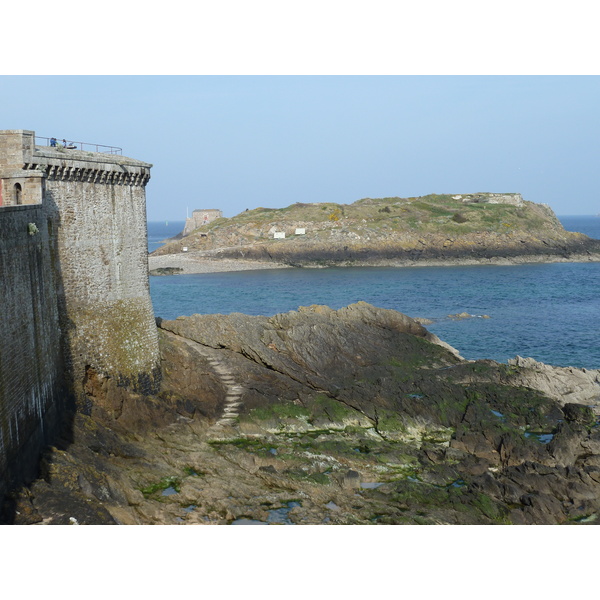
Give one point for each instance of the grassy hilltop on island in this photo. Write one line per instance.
(434, 228)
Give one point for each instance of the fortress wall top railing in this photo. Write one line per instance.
(70, 145)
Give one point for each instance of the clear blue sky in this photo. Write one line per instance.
(237, 142)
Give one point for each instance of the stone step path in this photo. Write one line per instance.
(234, 390)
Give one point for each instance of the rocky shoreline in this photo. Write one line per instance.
(321, 416)
(197, 262)
(191, 263)
(434, 230)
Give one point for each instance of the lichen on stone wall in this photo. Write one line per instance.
(115, 337)
(101, 241)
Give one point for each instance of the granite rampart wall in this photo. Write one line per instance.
(32, 391)
(74, 283)
(104, 296)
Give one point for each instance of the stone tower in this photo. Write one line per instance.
(201, 216)
(94, 215)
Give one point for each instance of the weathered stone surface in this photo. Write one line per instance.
(579, 413)
(322, 416)
(563, 384)
(32, 386)
(74, 275)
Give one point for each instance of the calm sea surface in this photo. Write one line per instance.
(550, 312)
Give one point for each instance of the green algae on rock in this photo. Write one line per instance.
(350, 416)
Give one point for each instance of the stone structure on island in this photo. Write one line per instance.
(490, 198)
(76, 304)
(201, 216)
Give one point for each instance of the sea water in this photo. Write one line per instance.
(549, 312)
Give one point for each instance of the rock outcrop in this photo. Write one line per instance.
(563, 384)
(357, 415)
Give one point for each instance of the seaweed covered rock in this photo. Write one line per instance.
(350, 416)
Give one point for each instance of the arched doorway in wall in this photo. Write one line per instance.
(18, 194)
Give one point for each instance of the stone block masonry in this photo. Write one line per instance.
(201, 216)
(32, 382)
(100, 221)
(78, 289)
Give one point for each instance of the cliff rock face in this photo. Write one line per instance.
(439, 229)
(356, 415)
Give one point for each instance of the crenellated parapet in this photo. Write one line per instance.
(25, 168)
(90, 174)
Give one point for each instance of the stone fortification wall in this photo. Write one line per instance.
(74, 284)
(31, 366)
(17, 187)
(201, 216)
(490, 198)
(98, 211)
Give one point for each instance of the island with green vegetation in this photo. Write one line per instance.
(441, 229)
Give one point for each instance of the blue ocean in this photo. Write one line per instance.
(549, 312)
